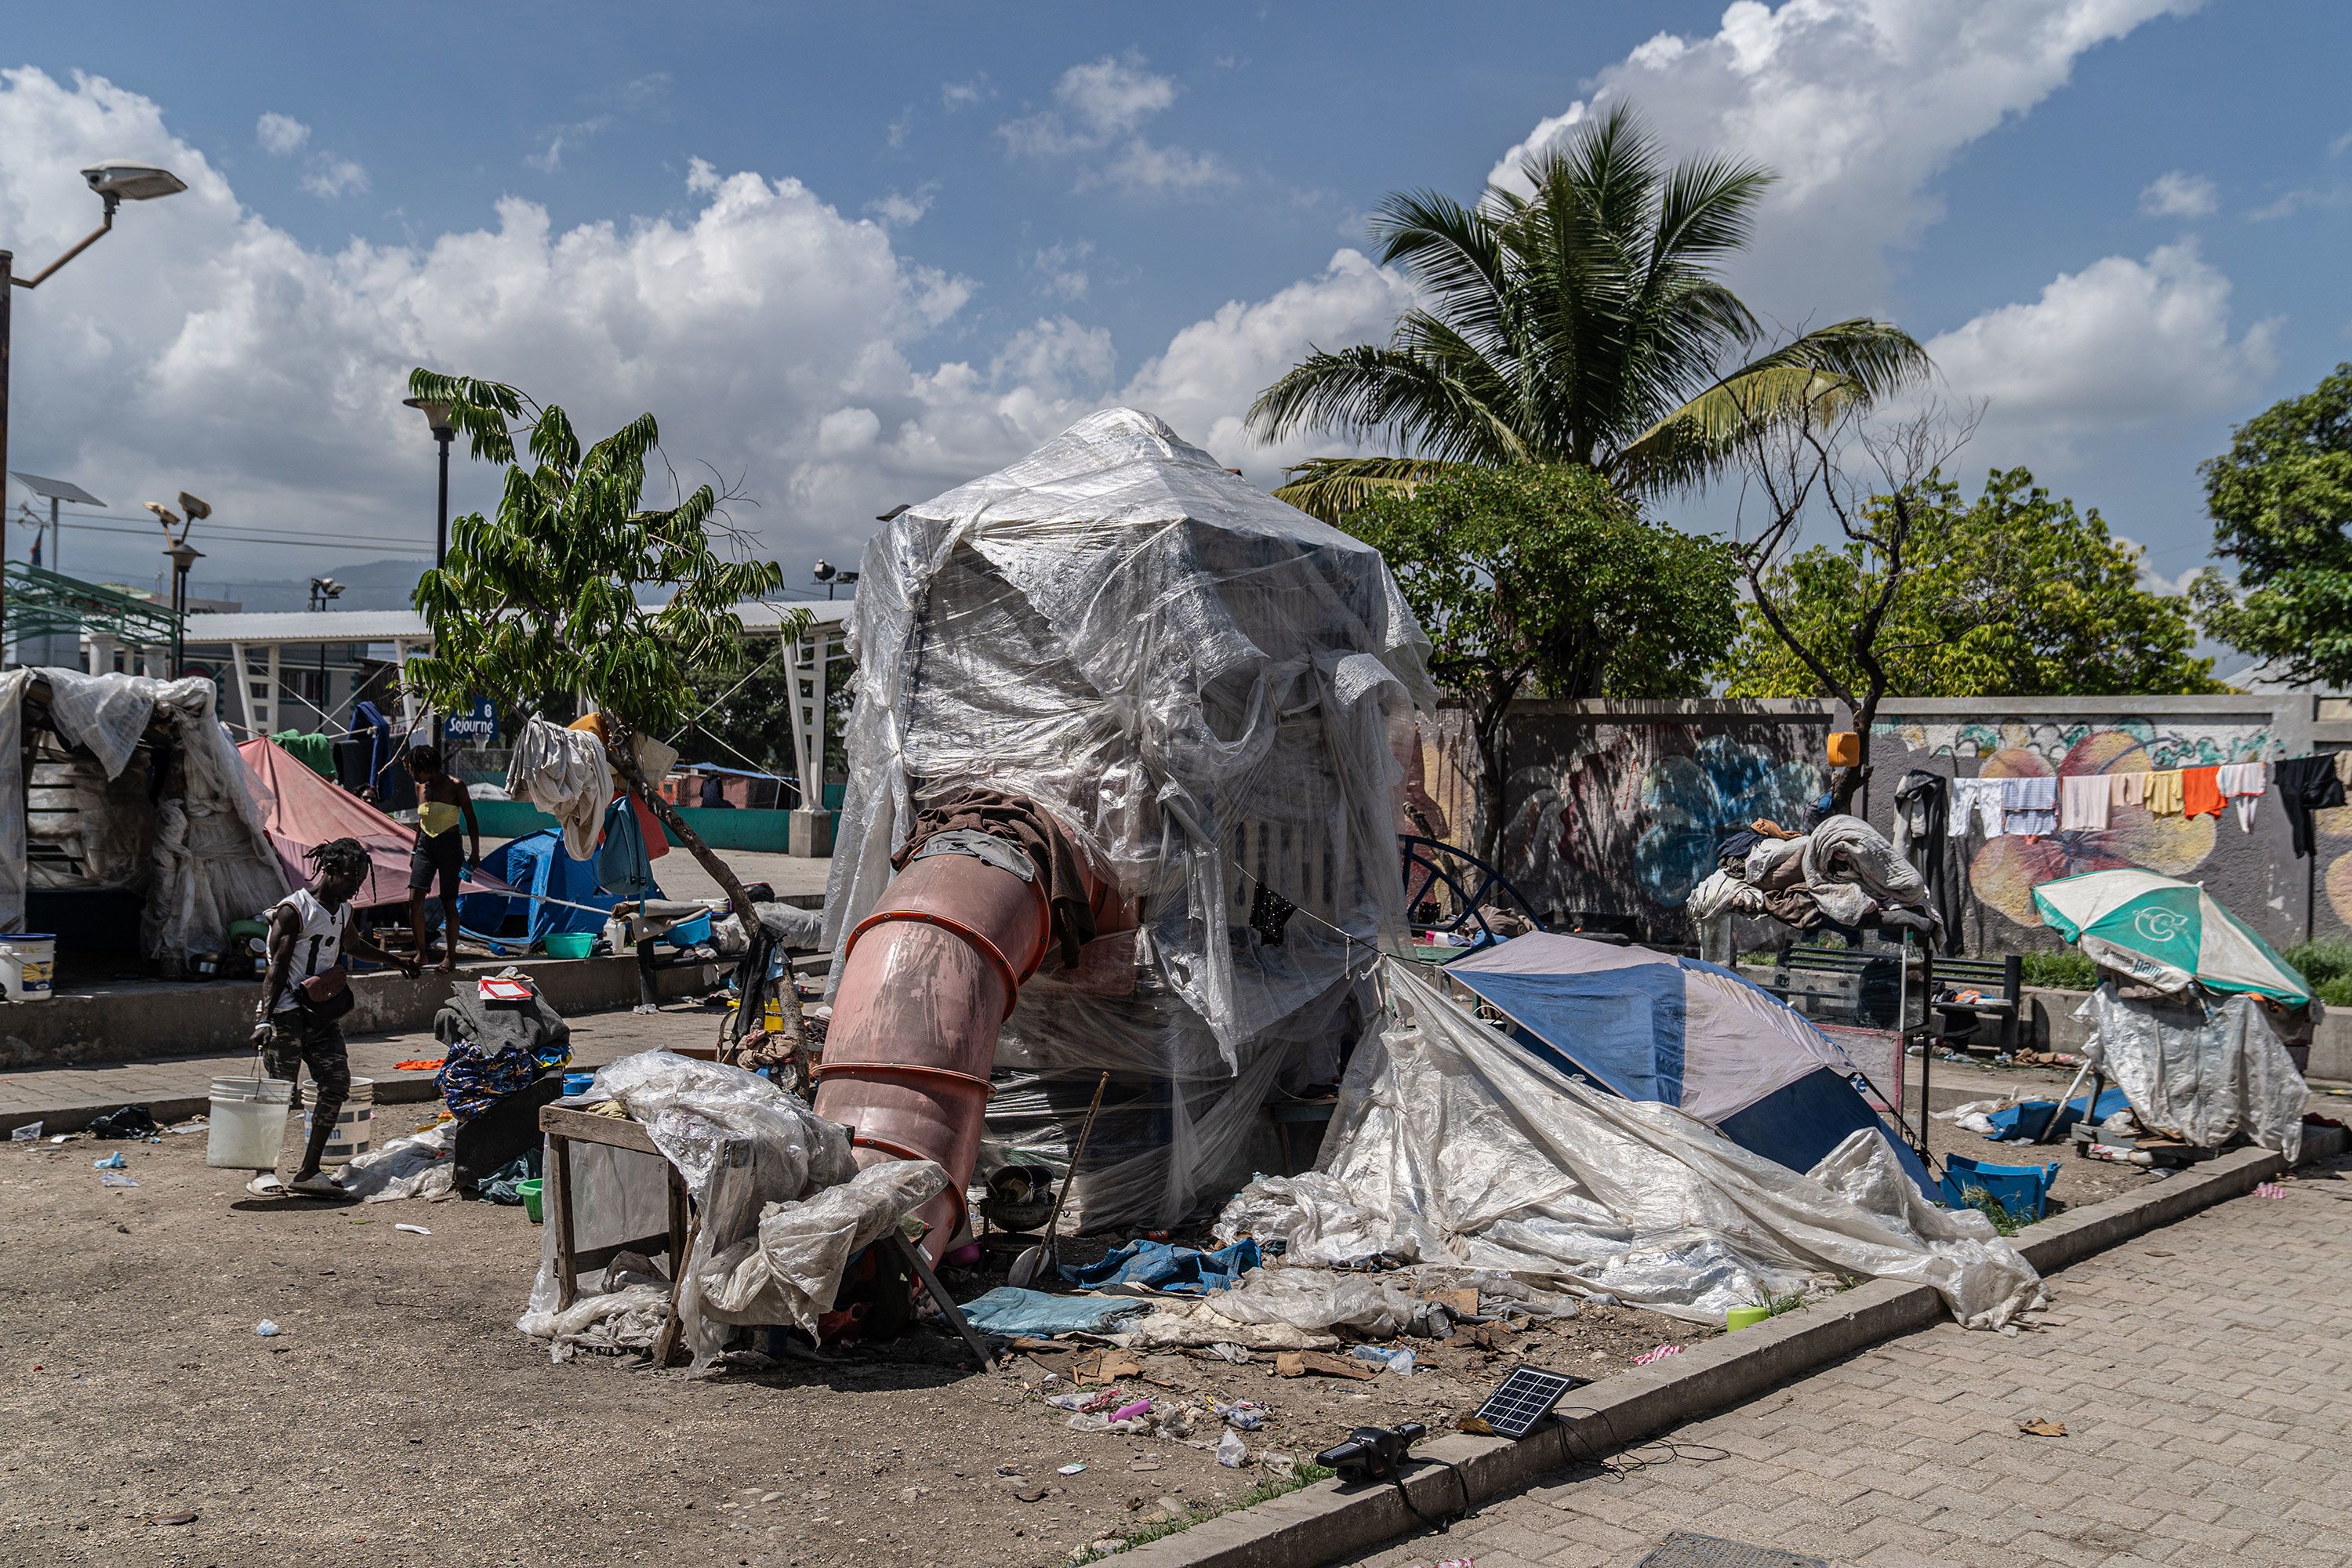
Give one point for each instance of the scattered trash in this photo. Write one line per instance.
(267, 1329)
(1069, 1469)
(124, 1121)
(174, 1518)
(419, 1064)
(1281, 1466)
(1660, 1353)
(1398, 1360)
(193, 1124)
(1231, 1452)
(28, 1133)
(411, 1229)
(1300, 1364)
(1132, 1409)
(114, 1161)
(2042, 1428)
(1242, 1415)
(2270, 1190)
(116, 1179)
(1031, 1494)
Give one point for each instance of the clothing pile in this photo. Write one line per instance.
(1845, 871)
(494, 1048)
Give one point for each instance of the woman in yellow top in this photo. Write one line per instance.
(442, 804)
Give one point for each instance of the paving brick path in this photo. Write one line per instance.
(2203, 1373)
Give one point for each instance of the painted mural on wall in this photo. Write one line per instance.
(2004, 871)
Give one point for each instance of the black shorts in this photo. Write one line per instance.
(442, 857)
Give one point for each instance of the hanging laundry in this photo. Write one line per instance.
(2307, 784)
(2200, 795)
(1977, 800)
(2030, 805)
(2164, 792)
(2344, 768)
(2082, 803)
(2127, 789)
(564, 774)
(2243, 784)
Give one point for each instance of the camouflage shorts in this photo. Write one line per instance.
(294, 1045)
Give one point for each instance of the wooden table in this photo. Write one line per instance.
(566, 1126)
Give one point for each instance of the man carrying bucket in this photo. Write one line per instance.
(305, 995)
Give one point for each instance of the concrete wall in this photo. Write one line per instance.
(157, 1020)
(2255, 874)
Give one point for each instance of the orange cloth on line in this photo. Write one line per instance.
(2200, 792)
(2164, 792)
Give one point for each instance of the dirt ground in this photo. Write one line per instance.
(399, 1417)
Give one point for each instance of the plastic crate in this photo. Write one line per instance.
(2022, 1190)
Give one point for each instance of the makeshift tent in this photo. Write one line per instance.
(137, 788)
(548, 891)
(301, 810)
(1450, 1148)
(2202, 1073)
(1685, 1033)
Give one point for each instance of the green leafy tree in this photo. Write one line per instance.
(548, 595)
(2015, 593)
(2280, 500)
(1543, 581)
(1581, 323)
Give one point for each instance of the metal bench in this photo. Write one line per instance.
(1988, 1023)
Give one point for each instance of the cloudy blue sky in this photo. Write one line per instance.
(856, 255)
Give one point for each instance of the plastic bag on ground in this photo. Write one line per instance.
(1369, 1306)
(790, 1271)
(417, 1166)
(2203, 1074)
(1451, 1145)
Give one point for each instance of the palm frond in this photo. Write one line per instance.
(1330, 488)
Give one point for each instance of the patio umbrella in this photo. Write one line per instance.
(2166, 933)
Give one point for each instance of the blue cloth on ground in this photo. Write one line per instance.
(1183, 1270)
(1014, 1312)
(2027, 1118)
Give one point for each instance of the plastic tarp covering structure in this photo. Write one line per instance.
(209, 855)
(740, 1142)
(2200, 1073)
(1451, 1145)
(301, 810)
(790, 1270)
(1208, 690)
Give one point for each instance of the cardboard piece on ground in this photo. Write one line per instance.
(2042, 1428)
(1461, 1303)
(1108, 1366)
(1300, 1364)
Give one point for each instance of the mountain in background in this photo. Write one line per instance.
(368, 585)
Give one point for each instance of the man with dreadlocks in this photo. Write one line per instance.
(307, 993)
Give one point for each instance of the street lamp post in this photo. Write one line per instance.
(115, 181)
(436, 415)
(183, 556)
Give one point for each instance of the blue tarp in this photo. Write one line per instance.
(1012, 1312)
(2027, 1118)
(539, 870)
(1182, 1270)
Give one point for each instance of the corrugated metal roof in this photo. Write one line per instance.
(210, 629)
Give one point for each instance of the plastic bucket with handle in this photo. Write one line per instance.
(248, 1123)
(354, 1131)
(28, 960)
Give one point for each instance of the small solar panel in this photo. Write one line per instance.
(1525, 1398)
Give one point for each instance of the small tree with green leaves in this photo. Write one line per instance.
(1542, 580)
(544, 597)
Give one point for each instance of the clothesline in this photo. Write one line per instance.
(2040, 805)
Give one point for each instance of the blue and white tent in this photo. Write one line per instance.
(1685, 1033)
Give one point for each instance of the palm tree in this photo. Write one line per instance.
(1581, 323)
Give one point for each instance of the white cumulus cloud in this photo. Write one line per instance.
(332, 176)
(2176, 195)
(280, 134)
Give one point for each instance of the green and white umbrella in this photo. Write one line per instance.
(2165, 933)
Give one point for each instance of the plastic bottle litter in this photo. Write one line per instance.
(266, 1329)
(411, 1229)
(1069, 1469)
(1231, 1452)
(1242, 1415)
(1398, 1361)
(114, 1161)
(28, 1133)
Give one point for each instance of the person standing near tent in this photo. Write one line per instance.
(442, 804)
(305, 995)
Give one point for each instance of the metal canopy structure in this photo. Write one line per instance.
(42, 603)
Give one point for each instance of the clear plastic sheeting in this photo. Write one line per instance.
(210, 859)
(1452, 1146)
(740, 1142)
(1369, 1305)
(417, 1166)
(1207, 690)
(2201, 1073)
(791, 1270)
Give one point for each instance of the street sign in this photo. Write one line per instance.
(477, 727)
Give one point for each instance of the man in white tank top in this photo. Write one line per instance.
(306, 993)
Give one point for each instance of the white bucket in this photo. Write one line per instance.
(28, 960)
(248, 1123)
(354, 1131)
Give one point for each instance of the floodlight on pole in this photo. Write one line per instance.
(116, 181)
(436, 417)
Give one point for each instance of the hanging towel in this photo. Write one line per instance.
(2164, 792)
(564, 774)
(1978, 800)
(2343, 769)
(2082, 803)
(2243, 784)
(2200, 794)
(2128, 789)
(2030, 805)
(2307, 784)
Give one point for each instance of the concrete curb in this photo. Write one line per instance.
(1328, 1521)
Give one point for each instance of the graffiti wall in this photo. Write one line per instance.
(1614, 810)
(2249, 866)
